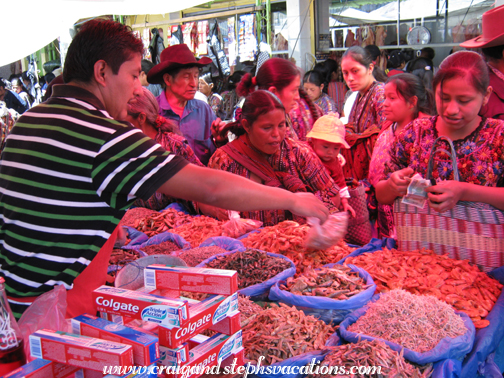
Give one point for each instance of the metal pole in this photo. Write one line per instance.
(446, 20)
(268, 22)
(258, 22)
(398, 20)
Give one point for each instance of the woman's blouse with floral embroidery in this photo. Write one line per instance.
(480, 156)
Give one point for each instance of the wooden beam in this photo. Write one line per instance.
(199, 18)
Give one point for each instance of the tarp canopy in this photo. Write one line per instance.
(28, 26)
(410, 9)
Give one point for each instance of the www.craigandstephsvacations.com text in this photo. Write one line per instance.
(187, 370)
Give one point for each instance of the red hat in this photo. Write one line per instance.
(176, 56)
(493, 30)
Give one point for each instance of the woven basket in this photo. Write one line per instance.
(471, 231)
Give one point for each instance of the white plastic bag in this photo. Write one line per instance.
(237, 226)
(330, 233)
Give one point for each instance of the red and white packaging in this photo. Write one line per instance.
(136, 305)
(81, 351)
(204, 314)
(210, 353)
(145, 345)
(195, 280)
(40, 368)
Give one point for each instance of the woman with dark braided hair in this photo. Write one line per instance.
(143, 113)
(262, 152)
(282, 78)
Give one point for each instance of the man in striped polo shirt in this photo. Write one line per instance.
(71, 167)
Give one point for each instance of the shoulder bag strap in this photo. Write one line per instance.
(452, 154)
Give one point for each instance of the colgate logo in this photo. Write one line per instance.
(192, 327)
(116, 306)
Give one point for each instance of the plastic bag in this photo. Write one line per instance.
(326, 309)
(229, 244)
(236, 226)
(162, 237)
(261, 290)
(454, 348)
(328, 234)
(489, 339)
(47, 311)
(136, 238)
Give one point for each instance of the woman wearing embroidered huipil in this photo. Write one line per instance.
(366, 117)
(263, 153)
(282, 78)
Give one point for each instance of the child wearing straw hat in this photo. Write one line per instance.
(326, 138)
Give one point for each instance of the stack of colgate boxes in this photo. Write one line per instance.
(179, 322)
(143, 328)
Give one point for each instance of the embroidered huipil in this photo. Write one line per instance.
(295, 158)
(326, 104)
(480, 156)
(367, 110)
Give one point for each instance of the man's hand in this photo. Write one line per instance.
(307, 205)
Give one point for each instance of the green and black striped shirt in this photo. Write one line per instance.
(68, 173)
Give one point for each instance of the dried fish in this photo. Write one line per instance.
(282, 332)
(416, 322)
(253, 266)
(199, 229)
(370, 355)
(339, 283)
(288, 238)
(456, 282)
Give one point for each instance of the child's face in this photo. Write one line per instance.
(313, 90)
(395, 107)
(326, 151)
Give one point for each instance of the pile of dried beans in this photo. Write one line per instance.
(339, 283)
(456, 282)
(282, 332)
(253, 266)
(416, 322)
(369, 355)
(287, 238)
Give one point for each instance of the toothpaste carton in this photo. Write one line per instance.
(81, 351)
(210, 353)
(40, 368)
(197, 280)
(229, 325)
(165, 311)
(204, 314)
(174, 356)
(145, 346)
(119, 372)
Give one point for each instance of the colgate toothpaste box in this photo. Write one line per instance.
(196, 280)
(121, 372)
(81, 351)
(145, 346)
(165, 311)
(204, 314)
(40, 368)
(208, 354)
(174, 356)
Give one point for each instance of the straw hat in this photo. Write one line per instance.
(176, 56)
(493, 30)
(329, 128)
